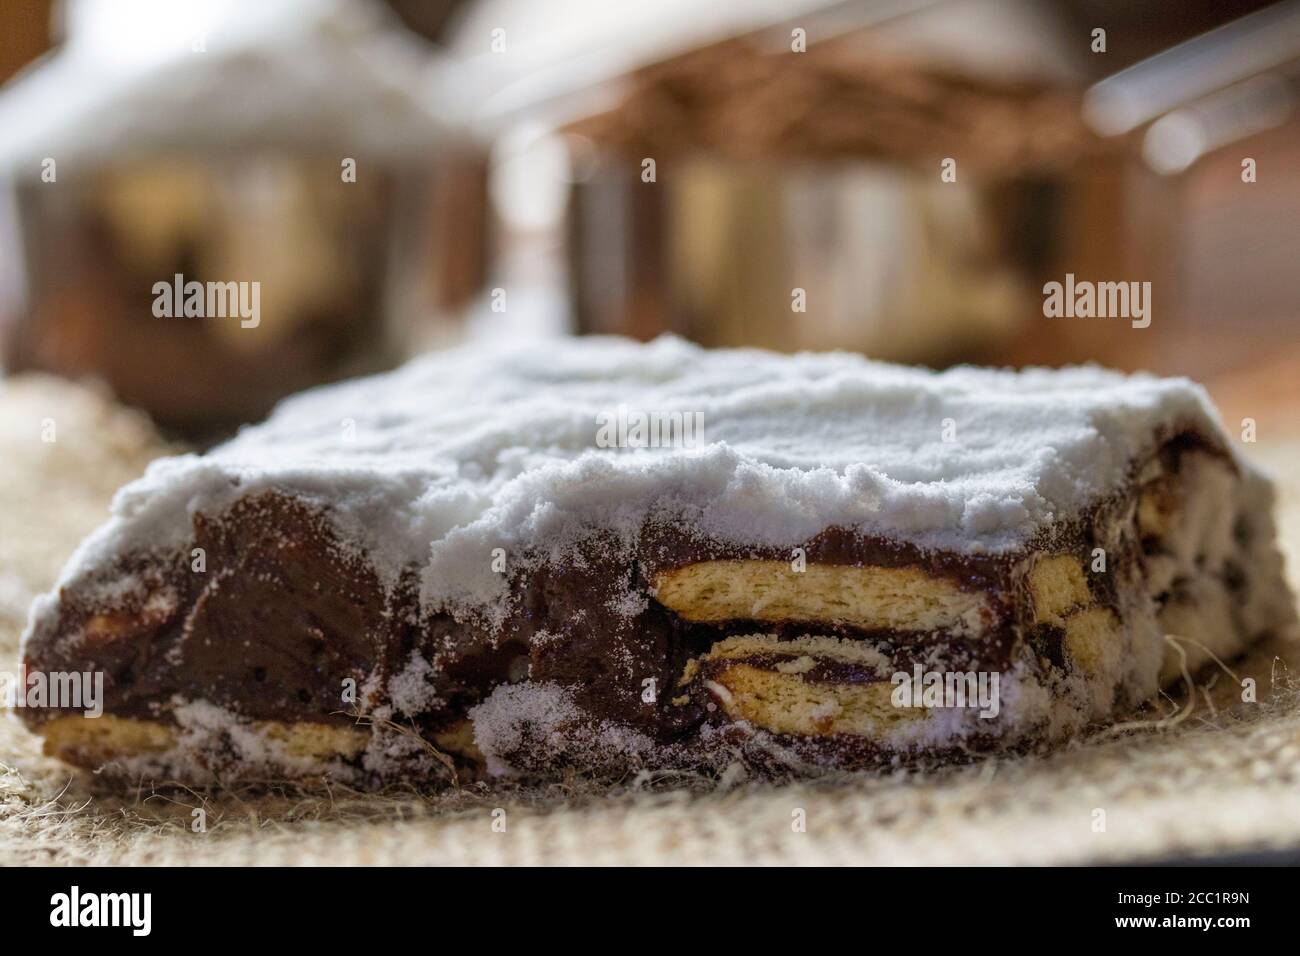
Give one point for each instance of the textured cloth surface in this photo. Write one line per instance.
(1205, 773)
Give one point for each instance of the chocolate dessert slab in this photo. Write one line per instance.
(591, 555)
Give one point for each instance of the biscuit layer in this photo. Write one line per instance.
(1057, 585)
(93, 742)
(764, 681)
(903, 599)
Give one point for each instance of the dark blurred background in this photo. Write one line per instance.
(500, 184)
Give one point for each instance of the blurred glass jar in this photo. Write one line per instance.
(290, 158)
(93, 252)
(863, 255)
(742, 194)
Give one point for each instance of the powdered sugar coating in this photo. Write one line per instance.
(461, 452)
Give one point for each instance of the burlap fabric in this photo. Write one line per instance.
(1202, 774)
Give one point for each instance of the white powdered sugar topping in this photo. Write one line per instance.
(467, 460)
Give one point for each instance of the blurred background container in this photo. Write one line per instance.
(820, 171)
(291, 144)
(798, 150)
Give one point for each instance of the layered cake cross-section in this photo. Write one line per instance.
(597, 556)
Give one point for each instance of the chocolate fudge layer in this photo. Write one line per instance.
(601, 556)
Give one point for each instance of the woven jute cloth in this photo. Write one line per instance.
(1199, 773)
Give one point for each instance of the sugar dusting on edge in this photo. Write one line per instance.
(461, 452)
